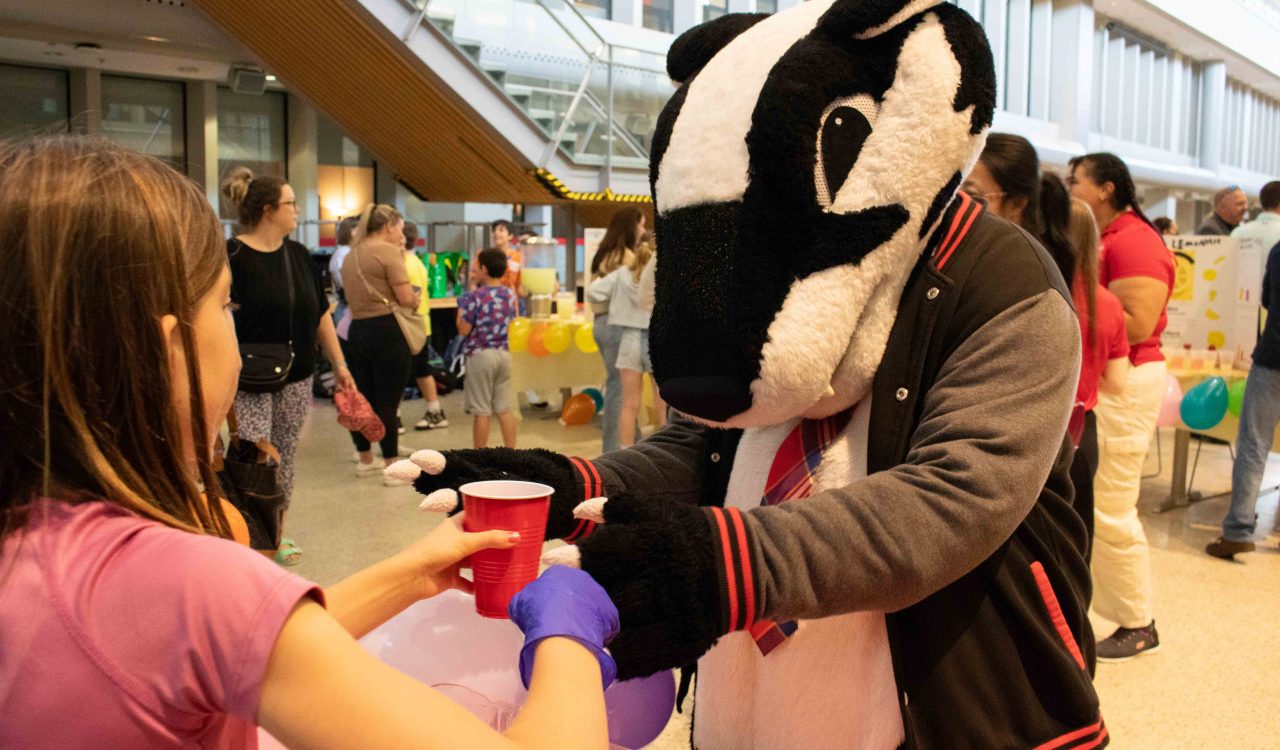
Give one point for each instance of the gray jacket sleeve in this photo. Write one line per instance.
(665, 466)
(991, 427)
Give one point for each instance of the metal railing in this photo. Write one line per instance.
(596, 101)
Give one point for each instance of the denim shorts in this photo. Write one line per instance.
(633, 351)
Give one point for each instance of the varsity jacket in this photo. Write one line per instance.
(963, 530)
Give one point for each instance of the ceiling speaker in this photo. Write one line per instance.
(247, 81)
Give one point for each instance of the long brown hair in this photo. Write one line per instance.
(621, 238)
(98, 243)
(1082, 230)
(646, 248)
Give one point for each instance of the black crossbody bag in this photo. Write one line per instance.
(264, 368)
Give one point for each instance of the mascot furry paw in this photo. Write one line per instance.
(858, 523)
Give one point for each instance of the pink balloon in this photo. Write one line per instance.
(1171, 404)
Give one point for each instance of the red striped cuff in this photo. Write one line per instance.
(739, 601)
(1086, 738)
(592, 486)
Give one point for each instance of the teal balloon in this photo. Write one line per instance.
(596, 396)
(1235, 398)
(1204, 406)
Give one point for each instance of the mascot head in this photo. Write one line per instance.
(798, 174)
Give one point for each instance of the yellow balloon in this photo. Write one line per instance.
(585, 338)
(518, 334)
(557, 338)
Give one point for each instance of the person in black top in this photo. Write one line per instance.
(264, 264)
(1259, 415)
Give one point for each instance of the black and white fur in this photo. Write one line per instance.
(798, 174)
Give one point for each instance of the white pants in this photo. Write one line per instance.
(1121, 557)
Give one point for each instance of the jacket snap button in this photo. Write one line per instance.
(715, 458)
(902, 394)
(278, 369)
(932, 293)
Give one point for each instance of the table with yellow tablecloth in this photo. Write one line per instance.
(572, 368)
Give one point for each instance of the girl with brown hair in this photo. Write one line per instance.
(280, 302)
(128, 621)
(1104, 364)
(629, 313)
(616, 248)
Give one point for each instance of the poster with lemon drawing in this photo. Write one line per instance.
(1216, 294)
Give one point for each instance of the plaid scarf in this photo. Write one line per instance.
(791, 478)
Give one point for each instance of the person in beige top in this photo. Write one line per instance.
(375, 278)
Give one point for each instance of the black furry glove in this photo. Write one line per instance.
(439, 475)
(680, 576)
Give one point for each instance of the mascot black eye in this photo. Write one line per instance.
(846, 124)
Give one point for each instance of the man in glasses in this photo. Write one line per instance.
(1229, 207)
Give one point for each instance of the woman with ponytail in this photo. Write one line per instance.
(281, 302)
(1137, 268)
(374, 276)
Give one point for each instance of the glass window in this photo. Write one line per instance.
(251, 133)
(146, 115)
(594, 8)
(36, 100)
(657, 15)
(344, 177)
(713, 9)
(766, 6)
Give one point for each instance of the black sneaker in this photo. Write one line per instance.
(1227, 549)
(1126, 643)
(432, 420)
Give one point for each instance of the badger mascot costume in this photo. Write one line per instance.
(858, 522)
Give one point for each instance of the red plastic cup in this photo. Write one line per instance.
(511, 506)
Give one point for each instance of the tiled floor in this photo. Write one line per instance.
(1213, 685)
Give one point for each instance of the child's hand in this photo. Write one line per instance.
(436, 560)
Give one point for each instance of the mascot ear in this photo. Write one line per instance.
(694, 48)
(864, 19)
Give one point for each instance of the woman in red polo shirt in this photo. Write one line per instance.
(1137, 268)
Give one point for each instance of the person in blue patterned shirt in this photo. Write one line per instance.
(483, 317)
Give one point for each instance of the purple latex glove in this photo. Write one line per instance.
(568, 603)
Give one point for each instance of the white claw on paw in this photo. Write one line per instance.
(429, 461)
(402, 471)
(568, 555)
(591, 510)
(440, 501)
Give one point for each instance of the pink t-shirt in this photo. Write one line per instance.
(117, 631)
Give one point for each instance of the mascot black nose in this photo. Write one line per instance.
(709, 397)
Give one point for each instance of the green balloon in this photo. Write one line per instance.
(1235, 397)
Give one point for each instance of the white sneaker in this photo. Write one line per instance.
(402, 449)
(371, 469)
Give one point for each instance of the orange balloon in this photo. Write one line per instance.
(537, 346)
(579, 409)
